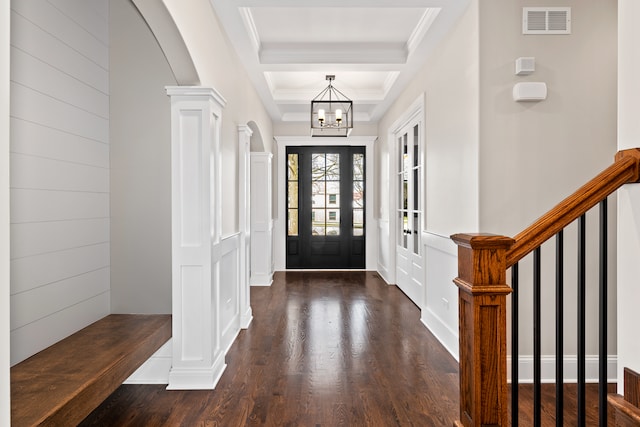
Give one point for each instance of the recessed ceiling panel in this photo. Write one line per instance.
(363, 86)
(335, 25)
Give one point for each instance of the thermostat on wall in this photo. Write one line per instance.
(530, 91)
(525, 65)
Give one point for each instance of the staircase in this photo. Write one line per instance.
(627, 407)
(483, 261)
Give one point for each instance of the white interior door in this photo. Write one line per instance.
(409, 260)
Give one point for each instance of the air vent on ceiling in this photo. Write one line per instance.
(546, 20)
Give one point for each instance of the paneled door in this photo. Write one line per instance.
(325, 207)
(409, 262)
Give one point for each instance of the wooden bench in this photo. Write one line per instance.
(64, 383)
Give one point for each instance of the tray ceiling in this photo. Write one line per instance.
(373, 47)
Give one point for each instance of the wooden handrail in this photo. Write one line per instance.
(624, 170)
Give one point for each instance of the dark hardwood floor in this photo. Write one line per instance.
(324, 349)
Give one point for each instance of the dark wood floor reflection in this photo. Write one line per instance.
(324, 349)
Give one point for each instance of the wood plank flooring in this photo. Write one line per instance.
(324, 349)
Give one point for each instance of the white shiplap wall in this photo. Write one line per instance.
(59, 170)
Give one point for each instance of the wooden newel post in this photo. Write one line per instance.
(482, 291)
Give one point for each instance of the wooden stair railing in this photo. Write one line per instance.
(482, 290)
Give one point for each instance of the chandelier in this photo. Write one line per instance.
(331, 112)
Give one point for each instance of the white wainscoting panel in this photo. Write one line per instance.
(226, 255)
(440, 311)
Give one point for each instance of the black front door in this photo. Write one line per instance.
(325, 207)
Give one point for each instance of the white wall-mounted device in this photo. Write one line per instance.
(525, 65)
(530, 91)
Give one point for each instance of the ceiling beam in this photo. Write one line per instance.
(342, 3)
(333, 53)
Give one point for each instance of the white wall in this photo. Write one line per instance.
(526, 147)
(59, 170)
(629, 197)
(219, 67)
(449, 81)
(5, 323)
(532, 155)
(140, 131)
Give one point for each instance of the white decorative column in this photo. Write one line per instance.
(261, 220)
(244, 177)
(197, 359)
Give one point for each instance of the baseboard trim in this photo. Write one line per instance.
(447, 337)
(384, 274)
(263, 279)
(155, 370)
(246, 318)
(198, 378)
(548, 369)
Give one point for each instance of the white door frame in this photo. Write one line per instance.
(413, 114)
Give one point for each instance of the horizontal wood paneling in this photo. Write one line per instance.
(37, 335)
(87, 15)
(32, 39)
(54, 21)
(31, 105)
(38, 303)
(46, 205)
(35, 271)
(39, 140)
(38, 173)
(43, 78)
(37, 238)
(60, 216)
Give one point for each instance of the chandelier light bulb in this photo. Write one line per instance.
(321, 116)
(338, 115)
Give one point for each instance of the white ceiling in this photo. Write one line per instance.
(374, 48)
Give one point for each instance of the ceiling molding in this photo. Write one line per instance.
(420, 31)
(293, 96)
(333, 53)
(250, 25)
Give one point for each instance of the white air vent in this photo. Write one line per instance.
(546, 20)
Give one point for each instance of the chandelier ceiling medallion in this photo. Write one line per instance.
(331, 112)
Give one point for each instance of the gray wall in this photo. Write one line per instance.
(59, 170)
(494, 165)
(532, 155)
(141, 166)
